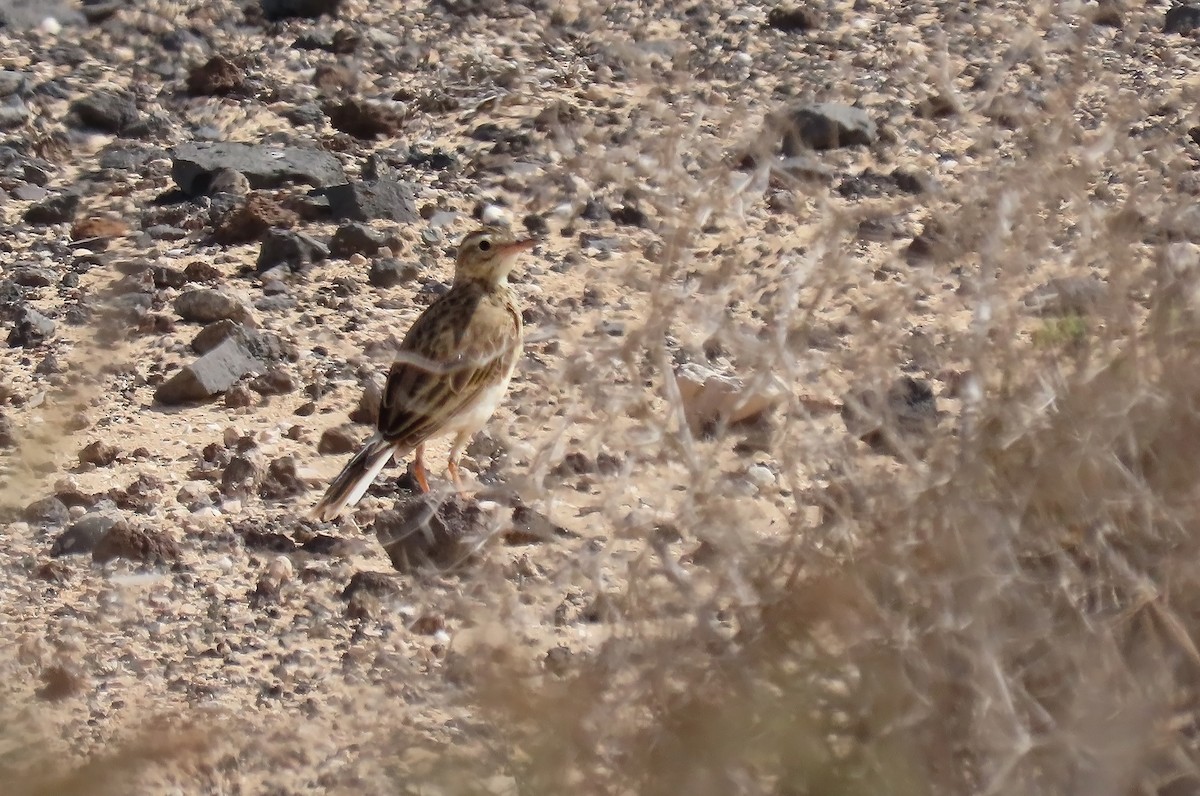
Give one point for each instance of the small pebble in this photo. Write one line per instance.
(760, 475)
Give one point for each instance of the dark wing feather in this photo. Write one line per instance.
(453, 363)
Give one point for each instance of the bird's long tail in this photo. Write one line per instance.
(352, 482)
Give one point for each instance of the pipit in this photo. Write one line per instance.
(451, 372)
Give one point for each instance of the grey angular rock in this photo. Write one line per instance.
(13, 112)
(390, 272)
(1182, 18)
(275, 10)
(55, 210)
(355, 238)
(824, 125)
(47, 511)
(107, 111)
(907, 411)
(264, 346)
(28, 192)
(11, 296)
(11, 82)
(426, 532)
(30, 329)
(386, 199)
(194, 164)
(127, 155)
(82, 536)
(1067, 295)
(205, 305)
(210, 375)
(8, 432)
(293, 249)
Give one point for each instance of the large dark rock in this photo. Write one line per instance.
(293, 249)
(55, 210)
(431, 532)
(906, 415)
(355, 238)
(82, 536)
(107, 111)
(129, 155)
(210, 375)
(30, 329)
(1182, 18)
(385, 198)
(267, 347)
(825, 125)
(141, 545)
(275, 10)
(194, 164)
(390, 272)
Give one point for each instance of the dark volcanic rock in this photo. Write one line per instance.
(275, 10)
(55, 210)
(47, 511)
(933, 242)
(363, 119)
(377, 199)
(1183, 18)
(431, 532)
(264, 346)
(194, 164)
(282, 480)
(216, 77)
(338, 440)
(135, 544)
(128, 155)
(82, 536)
(293, 249)
(241, 476)
(30, 329)
(791, 19)
(825, 125)
(390, 272)
(1067, 295)
(13, 112)
(107, 111)
(11, 296)
(907, 411)
(276, 381)
(252, 218)
(99, 453)
(8, 432)
(210, 375)
(355, 238)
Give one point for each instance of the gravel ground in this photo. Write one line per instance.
(221, 218)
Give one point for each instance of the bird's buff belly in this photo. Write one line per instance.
(476, 417)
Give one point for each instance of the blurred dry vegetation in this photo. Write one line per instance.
(1006, 602)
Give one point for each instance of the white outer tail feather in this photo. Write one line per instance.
(355, 478)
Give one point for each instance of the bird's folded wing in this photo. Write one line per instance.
(426, 387)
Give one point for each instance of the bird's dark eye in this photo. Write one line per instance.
(484, 245)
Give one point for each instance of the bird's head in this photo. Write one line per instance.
(488, 254)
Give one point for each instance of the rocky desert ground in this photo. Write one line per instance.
(852, 449)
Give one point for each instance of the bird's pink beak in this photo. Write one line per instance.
(519, 246)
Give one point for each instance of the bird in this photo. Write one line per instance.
(451, 372)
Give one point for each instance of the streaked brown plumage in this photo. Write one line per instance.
(451, 373)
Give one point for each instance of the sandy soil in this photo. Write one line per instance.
(618, 132)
